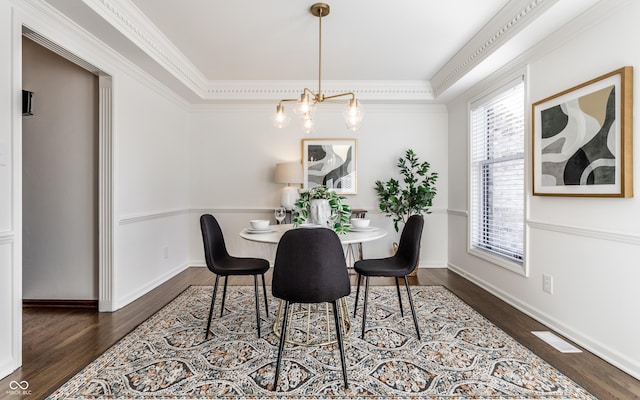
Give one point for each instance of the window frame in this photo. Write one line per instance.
(491, 92)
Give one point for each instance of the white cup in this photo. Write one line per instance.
(259, 224)
(360, 222)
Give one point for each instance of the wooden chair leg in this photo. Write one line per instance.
(340, 343)
(283, 333)
(364, 308)
(413, 311)
(264, 289)
(399, 297)
(224, 294)
(213, 302)
(255, 286)
(355, 307)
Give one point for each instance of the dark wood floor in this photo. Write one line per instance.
(57, 343)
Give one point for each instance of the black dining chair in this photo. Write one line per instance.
(397, 266)
(310, 268)
(222, 264)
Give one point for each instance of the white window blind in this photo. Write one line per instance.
(497, 172)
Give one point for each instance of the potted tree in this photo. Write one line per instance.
(414, 195)
(323, 206)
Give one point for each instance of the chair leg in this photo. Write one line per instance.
(399, 297)
(255, 286)
(364, 308)
(355, 307)
(213, 302)
(264, 289)
(224, 294)
(283, 333)
(413, 311)
(340, 343)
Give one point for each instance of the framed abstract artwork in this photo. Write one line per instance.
(582, 139)
(330, 162)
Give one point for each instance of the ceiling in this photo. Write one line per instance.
(409, 50)
(278, 40)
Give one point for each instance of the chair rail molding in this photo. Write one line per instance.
(458, 213)
(148, 216)
(373, 209)
(6, 237)
(594, 233)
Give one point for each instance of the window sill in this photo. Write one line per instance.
(518, 268)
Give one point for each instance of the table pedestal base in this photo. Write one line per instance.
(313, 324)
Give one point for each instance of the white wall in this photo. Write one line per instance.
(10, 276)
(234, 149)
(60, 178)
(590, 246)
(150, 166)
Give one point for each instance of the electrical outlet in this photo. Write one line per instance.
(547, 283)
(165, 251)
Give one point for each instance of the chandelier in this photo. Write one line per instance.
(306, 105)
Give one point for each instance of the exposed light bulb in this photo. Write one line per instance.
(304, 106)
(308, 124)
(353, 115)
(280, 119)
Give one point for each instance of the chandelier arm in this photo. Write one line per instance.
(353, 113)
(353, 96)
(318, 98)
(287, 100)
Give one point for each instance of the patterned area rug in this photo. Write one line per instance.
(461, 355)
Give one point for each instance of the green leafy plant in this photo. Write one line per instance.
(340, 211)
(414, 197)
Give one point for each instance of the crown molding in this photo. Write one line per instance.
(277, 90)
(133, 24)
(511, 19)
(267, 107)
(124, 16)
(47, 26)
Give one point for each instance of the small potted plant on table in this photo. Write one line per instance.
(323, 206)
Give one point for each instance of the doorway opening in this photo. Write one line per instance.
(103, 198)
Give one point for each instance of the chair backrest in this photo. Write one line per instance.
(214, 247)
(310, 267)
(409, 246)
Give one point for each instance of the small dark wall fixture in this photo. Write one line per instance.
(26, 102)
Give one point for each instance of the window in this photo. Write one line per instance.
(497, 174)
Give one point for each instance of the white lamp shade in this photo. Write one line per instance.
(288, 173)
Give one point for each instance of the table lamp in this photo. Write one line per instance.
(289, 173)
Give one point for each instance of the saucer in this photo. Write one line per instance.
(265, 230)
(367, 229)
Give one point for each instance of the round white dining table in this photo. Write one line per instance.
(350, 239)
(275, 232)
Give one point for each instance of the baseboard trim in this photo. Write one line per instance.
(60, 303)
(601, 350)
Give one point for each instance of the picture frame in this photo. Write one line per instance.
(330, 162)
(582, 139)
